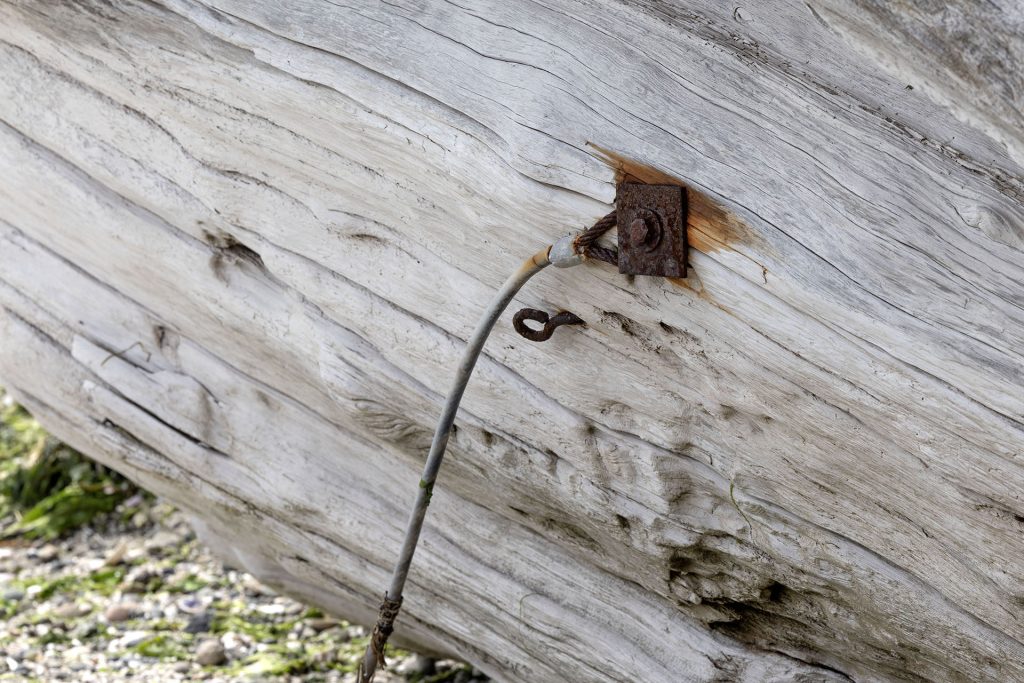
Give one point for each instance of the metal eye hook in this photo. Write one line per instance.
(549, 323)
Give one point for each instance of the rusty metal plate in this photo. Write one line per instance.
(652, 229)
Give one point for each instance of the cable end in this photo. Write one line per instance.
(562, 254)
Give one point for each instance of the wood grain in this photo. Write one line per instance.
(241, 244)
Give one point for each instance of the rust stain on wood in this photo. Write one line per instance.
(709, 228)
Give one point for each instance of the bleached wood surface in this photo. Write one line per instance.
(241, 244)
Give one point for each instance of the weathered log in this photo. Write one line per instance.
(242, 244)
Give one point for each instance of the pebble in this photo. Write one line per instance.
(47, 553)
(237, 645)
(416, 666)
(162, 541)
(78, 633)
(199, 623)
(211, 653)
(322, 624)
(191, 605)
(71, 610)
(117, 557)
(121, 612)
(350, 632)
(271, 610)
(132, 638)
(84, 630)
(254, 588)
(137, 580)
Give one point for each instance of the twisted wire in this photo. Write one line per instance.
(586, 242)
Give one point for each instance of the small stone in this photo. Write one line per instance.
(350, 632)
(254, 588)
(121, 612)
(199, 623)
(236, 644)
(71, 610)
(137, 580)
(134, 553)
(14, 594)
(75, 654)
(118, 555)
(445, 664)
(211, 653)
(322, 624)
(47, 553)
(416, 666)
(181, 667)
(191, 605)
(161, 542)
(85, 630)
(134, 501)
(133, 638)
(271, 610)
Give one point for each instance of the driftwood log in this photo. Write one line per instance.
(242, 243)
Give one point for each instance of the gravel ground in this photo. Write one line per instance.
(135, 597)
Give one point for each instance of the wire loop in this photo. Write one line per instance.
(549, 323)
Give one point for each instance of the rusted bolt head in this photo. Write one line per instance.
(645, 229)
(638, 231)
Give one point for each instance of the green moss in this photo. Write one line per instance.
(270, 663)
(62, 584)
(104, 581)
(166, 646)
(48, 488)
(54, 637)
(429, 489)
(190, 584)
(8, 608)
(259, 627)
(171, 625)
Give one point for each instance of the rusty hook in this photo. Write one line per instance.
(549, 323)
